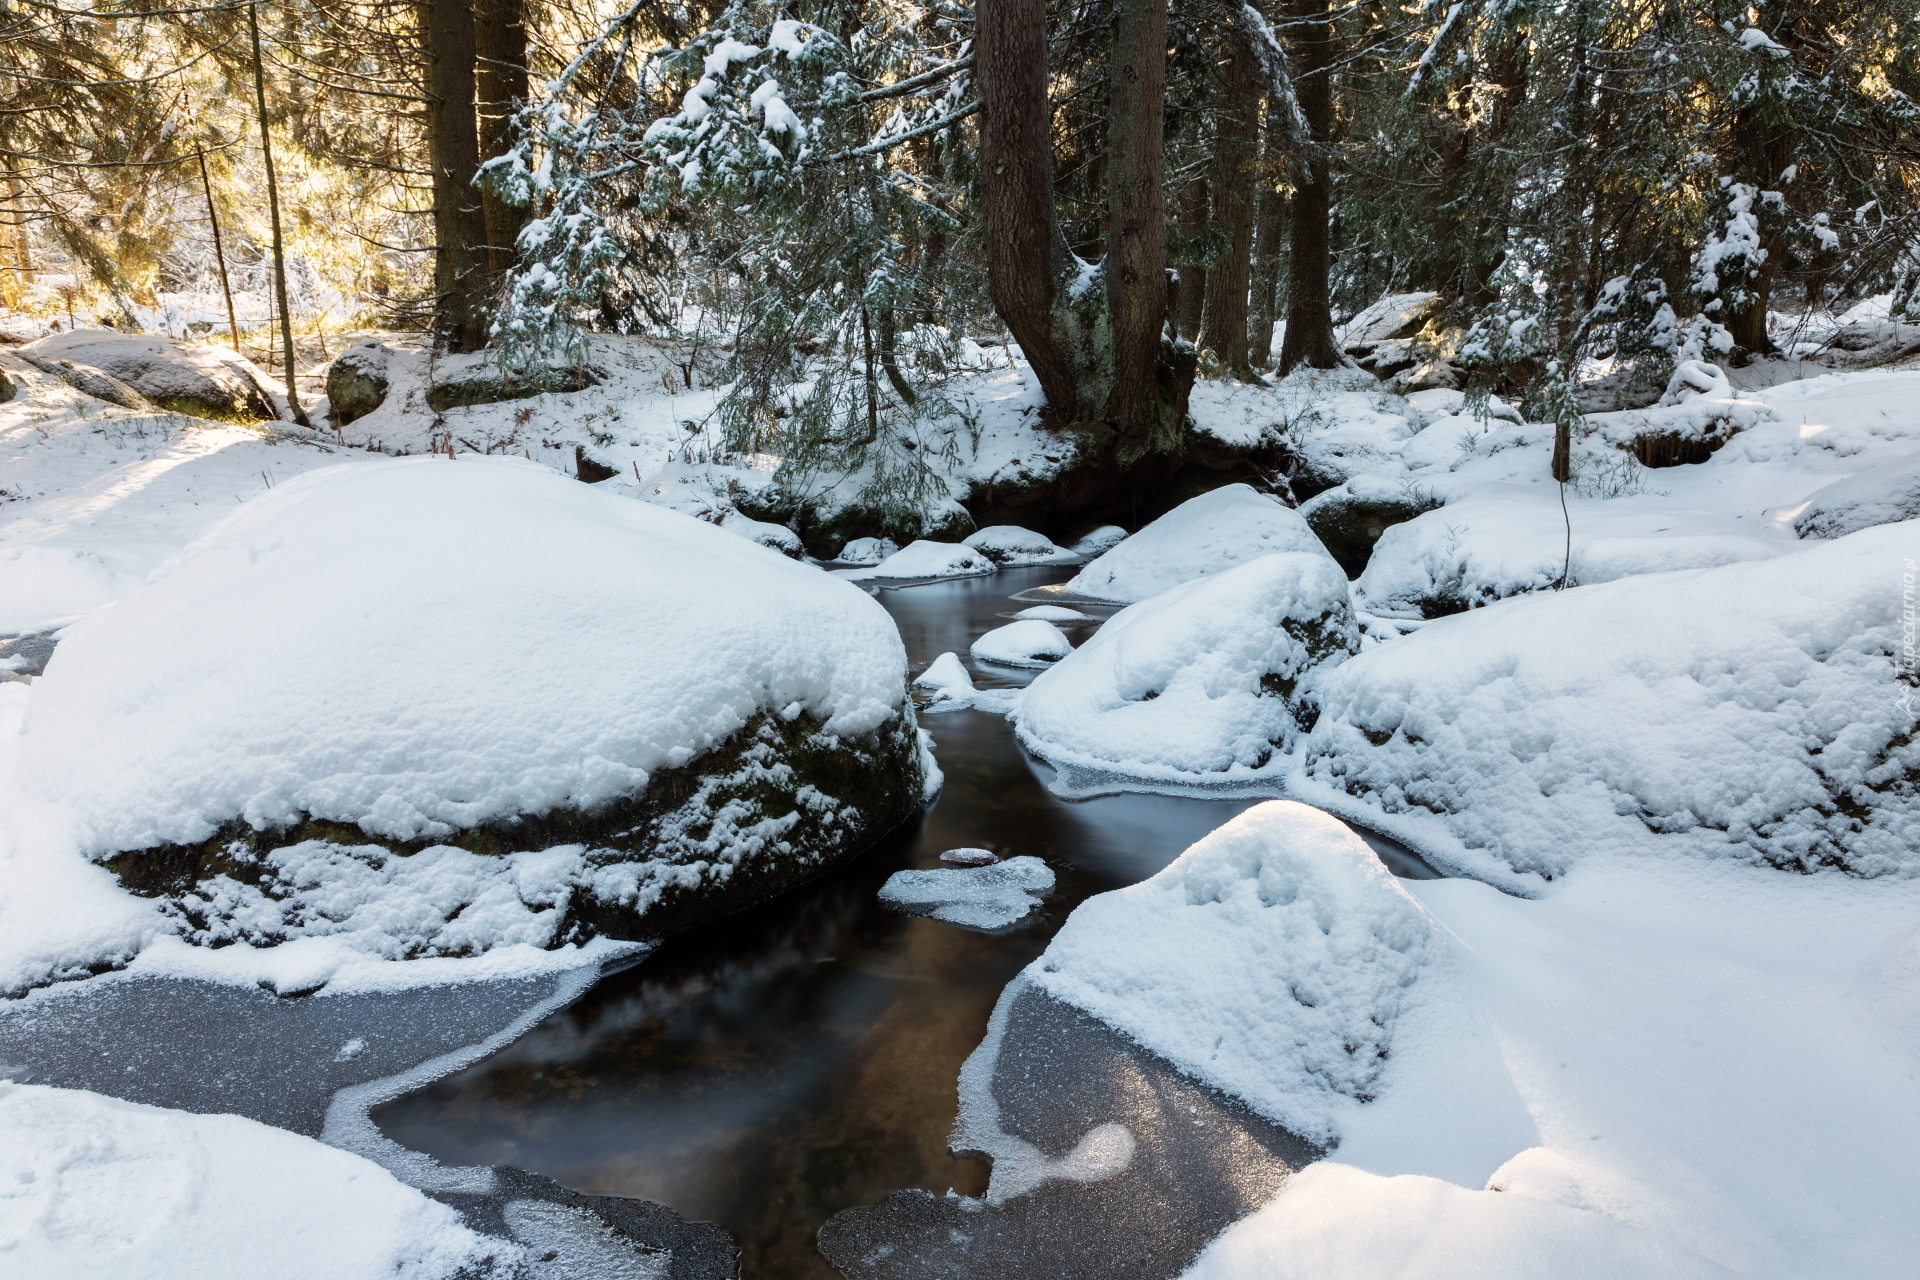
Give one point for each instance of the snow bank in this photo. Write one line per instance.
(91, 1187)
(1751, 710)
(1202, 683)
(421, 646)
(1027, 643)
(989, 897)
(1010, 544)
(1215, 531)
(925, 558)
(1271, 960)
(1884, 496)
(1333, 1220)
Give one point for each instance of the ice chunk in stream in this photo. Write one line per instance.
(1205, 535)
(1027, 643)
(989, 897)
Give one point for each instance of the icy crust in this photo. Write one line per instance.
(1213, 532)
(420, 647)
(1754, 710)
(91, 1186)
(989, 897)
(1271, 959)
(1208, 682)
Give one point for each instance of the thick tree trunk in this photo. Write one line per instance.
(1136, 221)
(1309, 337)
(1269, 235)
(1223, 327)
(453, 155)
(500, 81)
(1189, 287)
(1027, 257)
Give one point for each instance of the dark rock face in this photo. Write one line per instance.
(1349, 526)
(357, 381)
(89, 381)
(486, 384)
(687, 844)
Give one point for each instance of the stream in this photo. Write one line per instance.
(771, 1070)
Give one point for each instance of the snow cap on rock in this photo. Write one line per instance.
(1215, 531)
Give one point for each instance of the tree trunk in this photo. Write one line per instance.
(1309, 337)
(1136, 220)
(453, 155)
(1223, 327)
(1189, 287)
(1027, 257)
(1269, 235)
(500, 81)
(273, 217)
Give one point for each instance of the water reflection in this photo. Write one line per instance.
(769, 1070)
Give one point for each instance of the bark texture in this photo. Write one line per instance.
(500, 82)
(453, 152)
(1223, 326)
(1136, 220)
(1309, 337)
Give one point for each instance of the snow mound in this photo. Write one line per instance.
(947, 680)
(1215, 531)
(1270, 960)
(1054, 613)
(91, 1187)
(1028, 643)
(1010, 544)
(1755, 710)
(1612, 558)
(925, 558)
(867, 551)
(1336, 1220)
(421, 646)
(1859, 502)
(1203, 683)
(989, 897)
(1100, 541)
(188, 377)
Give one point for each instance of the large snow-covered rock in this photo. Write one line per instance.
(92, 1187)
(926, 558)
(1270, 960)
(196, 378)
(1203, 683)
(1215, 531)
(1011, 544)
(1756, 710)
(1030, 642)
(1883, 496)
(386, 657)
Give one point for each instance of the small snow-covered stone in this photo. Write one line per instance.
(867, 550)
(1010, 544)
(926, 559)
(1215, 531)
(1055, 613)
(987, 897)
(1100, 541)
(1029, 643)
(970, 857)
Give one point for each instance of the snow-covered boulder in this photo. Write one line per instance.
(946, 680)
(1271, 960)
(99, 1187)
(1884, 496)
(1755, 711)
(89, 381)
(1349, 519)
(1010, 544)
(863, 551)
(1213, 532)
(1700, 411)
(357, 380)
(1204, 683)
(197, 378)
(1055, 613)
(1029, 642)
(381, 658)
(1100, 541)
(926, 558)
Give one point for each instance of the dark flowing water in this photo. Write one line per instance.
(772, 1069)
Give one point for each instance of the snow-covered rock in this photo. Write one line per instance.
(1700, 412)
(1213, 532)
(357, 380)
(1350, 518)
(92, 1187)
(1055, 613)
(1100, 541)
(947, 680)
(1884, 496)
(1752, 711)
(1027, 643)
(197, 378)
(1012, 545)
(926, 559)
(477, 653)
(979, 897)
(1271, 960)
(1205, 683)
(862, 551)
